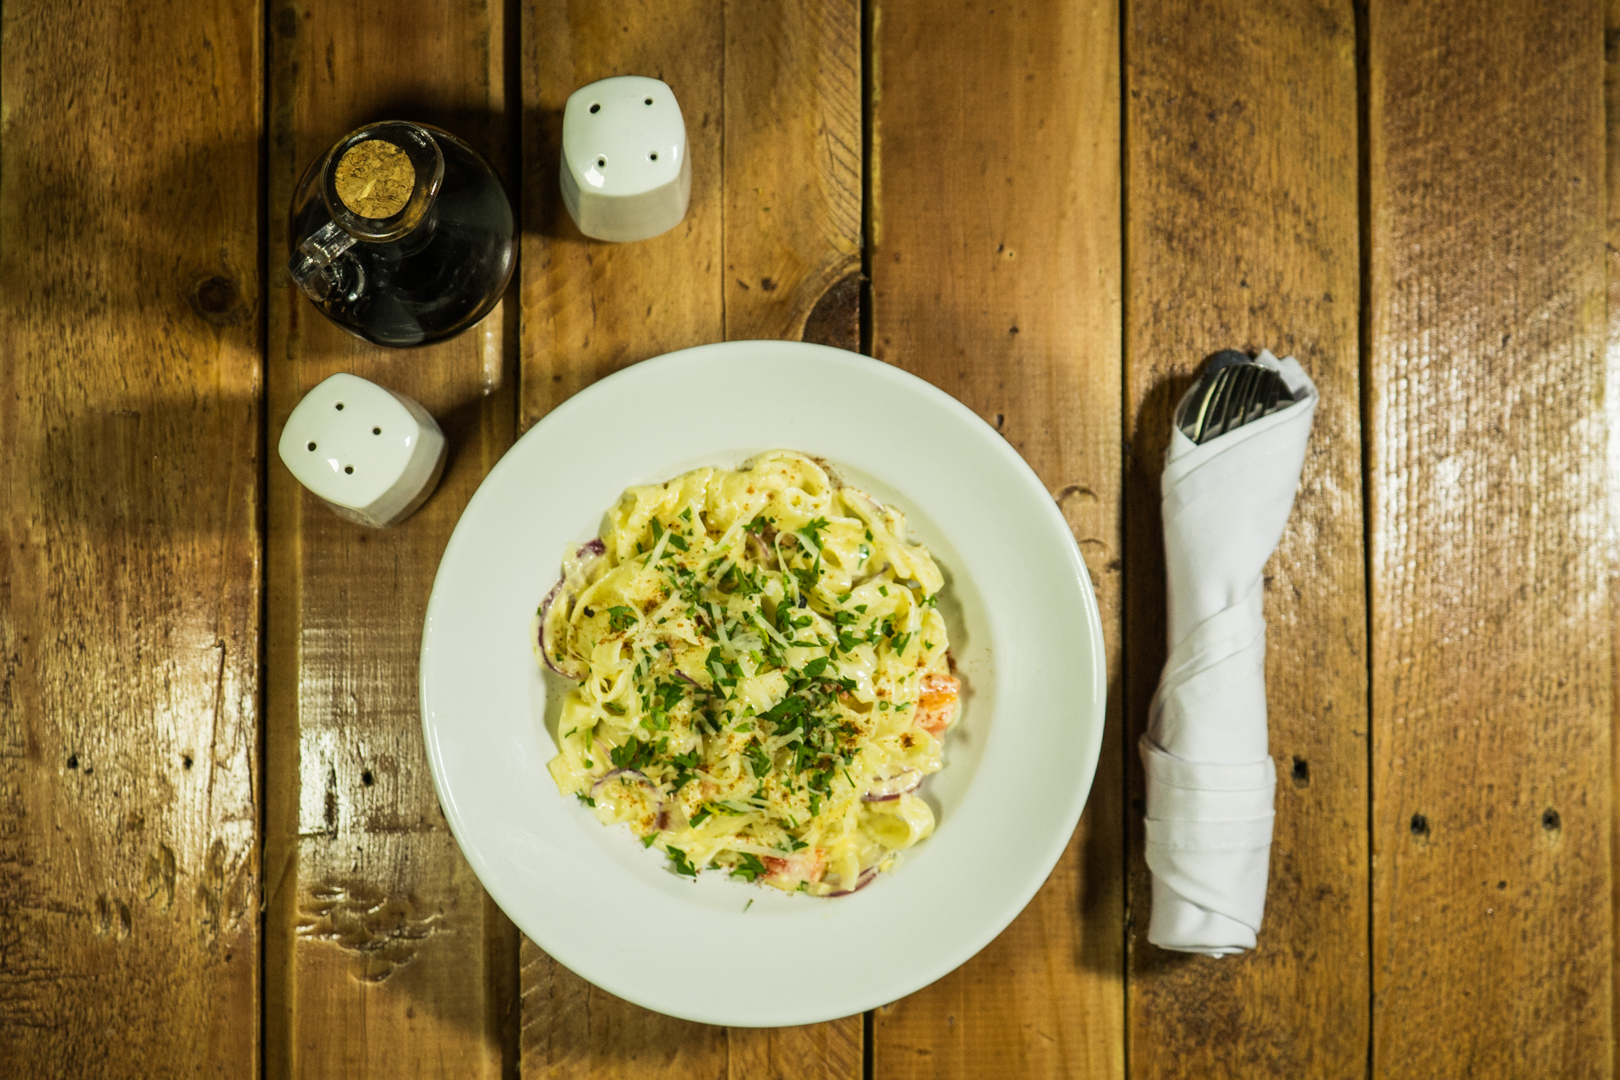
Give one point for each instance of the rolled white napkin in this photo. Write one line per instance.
(1210, 778)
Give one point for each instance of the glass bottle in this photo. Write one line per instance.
(401, 234)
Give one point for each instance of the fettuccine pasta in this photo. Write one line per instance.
(763, 675)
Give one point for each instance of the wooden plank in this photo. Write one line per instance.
(1491, 638)
(995, 262)
(1243, 232)
(792, 190)
(770, 247)
(129, 541)
(1611, 111)
(384, 955)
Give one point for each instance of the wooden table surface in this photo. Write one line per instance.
(220, 850)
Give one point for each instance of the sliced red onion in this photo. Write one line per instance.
(875, 571)
(656, 796)
(545, 653)
(857, 497)
(762, 551)
(587, 554)
(866, 878)
(636, 774)
(679, 674)
(892, 787)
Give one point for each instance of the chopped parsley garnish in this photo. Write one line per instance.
(683, 865)
(749, 868)
(620, 618)
(685, 766)
(637, 753)
(809, 578)
(812, 530)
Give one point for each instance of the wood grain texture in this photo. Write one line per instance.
(1491, 643)
(1242, 232)
(129, 546)
(770, 247)
(792, 161)
(384, 956)
(830, 1051)
(995, 262)
(1611, 108)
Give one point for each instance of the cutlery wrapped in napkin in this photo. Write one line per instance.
(1210, 777)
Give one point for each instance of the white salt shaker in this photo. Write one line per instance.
(370, 454)
(625, 171)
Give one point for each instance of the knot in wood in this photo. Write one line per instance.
(215, 297)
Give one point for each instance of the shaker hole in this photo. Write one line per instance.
(596, 107)
(376, 431)
(652, 157)
(649, 101)
(601, 163)
(348, 468)
(340, 406)
(312, 446)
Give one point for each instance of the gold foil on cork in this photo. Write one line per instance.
(375, 179)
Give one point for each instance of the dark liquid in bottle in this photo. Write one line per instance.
(443, 276)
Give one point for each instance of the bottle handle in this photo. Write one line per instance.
(316, 267)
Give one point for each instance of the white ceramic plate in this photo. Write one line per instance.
(1024, 630)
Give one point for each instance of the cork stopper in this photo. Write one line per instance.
(375, 179)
